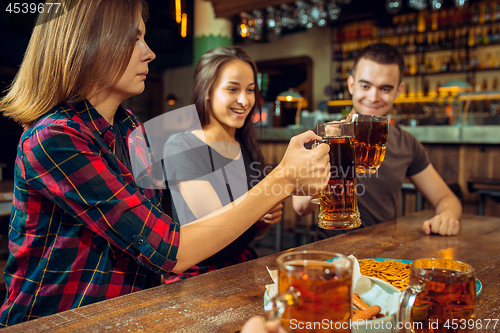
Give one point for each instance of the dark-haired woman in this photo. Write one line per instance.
(209, 167)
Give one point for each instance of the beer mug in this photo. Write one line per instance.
(314, 292)
(370, 141)
(338, 203)
(441, 297)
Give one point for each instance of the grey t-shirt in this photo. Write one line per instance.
(405, 157)
(189, 158)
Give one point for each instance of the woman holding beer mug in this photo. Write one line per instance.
(221, 161)
(81, 230)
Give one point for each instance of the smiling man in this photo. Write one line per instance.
(376, 81)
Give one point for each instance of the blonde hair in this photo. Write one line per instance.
(83, 49)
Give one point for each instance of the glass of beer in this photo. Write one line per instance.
(338, 203)
(314, 292)
(441, 297)
(370, 141)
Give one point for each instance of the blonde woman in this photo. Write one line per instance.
(81, 230)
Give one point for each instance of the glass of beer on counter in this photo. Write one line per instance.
(370, 141)
(338, 203)
(441, 297)
(314, 292)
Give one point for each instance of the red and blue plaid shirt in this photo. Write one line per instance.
(81, 230)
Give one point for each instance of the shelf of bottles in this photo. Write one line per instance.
(449, 41)
(474, 108)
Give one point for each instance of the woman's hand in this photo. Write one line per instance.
(307, 170)
(258, 324)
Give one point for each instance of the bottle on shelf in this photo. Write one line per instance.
(487, 13)
(482, 8)
(453, 18)
(425, 87)
(434, 18)
(459, 63)
(407, 24)
(494, 37)
(496, 61)
(443, 22)
(413, 22)
(475, 15)
(488, 61)
(407, 67)
(463, 38)
(471, 38)
(444, 65)
(485, 39)
(421, 22)
(421, 64)
(395, 22)
(420, 43)
(484, 85)
(452, 65)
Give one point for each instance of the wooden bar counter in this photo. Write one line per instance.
(223, 300)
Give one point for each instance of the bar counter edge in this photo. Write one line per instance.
(485, 134)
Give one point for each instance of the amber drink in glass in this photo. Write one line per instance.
(315, 291)
(370, 141)
(441, 297)
(338, 201)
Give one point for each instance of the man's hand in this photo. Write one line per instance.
(442, 225)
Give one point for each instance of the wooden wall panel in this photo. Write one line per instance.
(455, 163)
(445, 159)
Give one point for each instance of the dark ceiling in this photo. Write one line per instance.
(162, 35)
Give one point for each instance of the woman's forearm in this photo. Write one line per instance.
(300, 169)
(204, 237)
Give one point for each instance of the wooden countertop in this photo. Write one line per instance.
(223, 300)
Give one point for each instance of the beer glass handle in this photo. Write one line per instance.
(316, 143)
(407, 300)
(277, 305)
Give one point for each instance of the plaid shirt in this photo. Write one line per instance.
(81, 230)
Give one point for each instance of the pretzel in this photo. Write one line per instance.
(390, 271)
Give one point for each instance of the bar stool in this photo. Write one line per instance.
(302, 235)
(419, 201)
(484, 187)
(419, 204)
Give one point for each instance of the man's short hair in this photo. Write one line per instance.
(381, 53)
